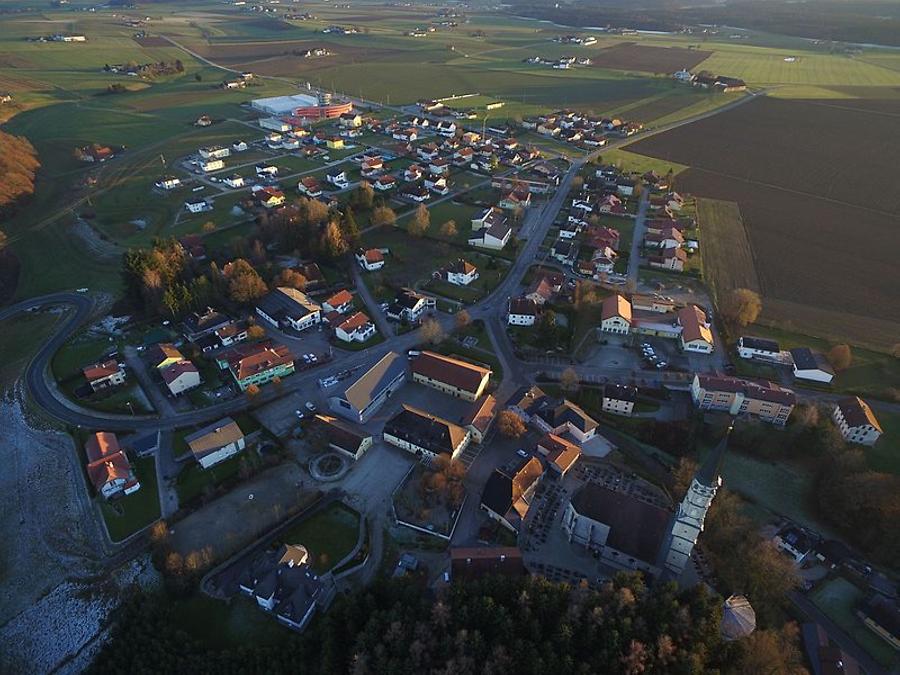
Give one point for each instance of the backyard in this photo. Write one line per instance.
(329, 535)
(127, 515)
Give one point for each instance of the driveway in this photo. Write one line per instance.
(151, 387)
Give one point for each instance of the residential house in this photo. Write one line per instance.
(450, 375)
(168, 183)
(266, 170)
(518, 198)
(385, 183)
(560, 453)
(310, 187)
(564, 251)
(616, 315)
(409, 306)
(446, 128)
(670, 259)
(210, 165)
(765, 400)
(882, 616)
(490, 217)
(257, 364)
(180, 377)
(104, 374)
(197, 206)
(416, 193)
(527, 401)
(565, 417)
(540, 291)
(625, 186)
(667, 238)
(427, 152)
(370, 260)
(406, 135)
(856, 421)
(215, 152)
(341, 302)
(522, 312)
(810, 365)
(164, 354)
(355, 328)
(425, 435)
(344, 438)
(282, 583)
(108, 467)
(696, 333)
(794, 542)
(412, 173)
(269, 197)
(438, 185)
(235, 181)
(365, 396)
(494, 237)
(439, 167)
(611, 205)
(239, 146)
(460, 273)
(509, 490)
(287, 307)
(338, 179)
(335, 143)
(350, 120)
(480, 417)
(216, 442)
(619, 399)
(371, 167)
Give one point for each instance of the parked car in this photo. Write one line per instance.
(311, 406)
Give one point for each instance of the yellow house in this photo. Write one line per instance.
(335, 143)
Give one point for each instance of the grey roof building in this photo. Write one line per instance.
(361, 399)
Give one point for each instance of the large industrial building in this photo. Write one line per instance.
(302, 106)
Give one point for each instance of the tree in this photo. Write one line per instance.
(431, 332)
(840, 357)
(363, 196)
(569, 380)
(682, 476)
(349, 227)
(771, 651)
(420, 221)
(4, 240)
(577, 183)
(383, 216)
(208, 226)
(547, 330)
(462, 319)
(449, 230)
(253, 391)
(256, 332)
(333, 244)
(741, 307)
(244, 284)
(291, 279)
(510, 425)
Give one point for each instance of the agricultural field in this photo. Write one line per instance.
(821, 235)
(727, 255)
(663, 60)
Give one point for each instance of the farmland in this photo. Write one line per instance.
(821, 235)
(666, 60)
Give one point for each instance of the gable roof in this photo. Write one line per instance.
(341, 434)
(857, 413)
(455, 372)
(482, 413)
(616, 306)
(426, 430)
(257, 358)
(101, 370)
(370, 385)
(342, 297)
(213, 437)
(503, 493)
(100, 445)
(357, 320)
(172, 372)
(694, 325)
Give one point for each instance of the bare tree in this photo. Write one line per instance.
(569, 380)
(741, 307)
(432, 332)
(462, 319)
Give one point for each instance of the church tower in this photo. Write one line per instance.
(687, 523)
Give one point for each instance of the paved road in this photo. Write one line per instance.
(637, 238)
(372, 305)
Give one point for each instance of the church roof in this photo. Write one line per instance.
(712, 466)
(738, 618)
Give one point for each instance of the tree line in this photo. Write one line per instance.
(18, 166)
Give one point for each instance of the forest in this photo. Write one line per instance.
(494, 625)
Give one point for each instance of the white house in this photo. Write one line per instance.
(197, 205)
(217, 442)
(288, 307)
(338, 179)
(266, 170)
(615, 315)
(856, 421)
(235, 181)
(341, 302)
(180, 377)
(356, 328)
(696, 333)
(212, 165)
(760, 349)
(461, 273)
(239, 146)
(168, 183)
(619, 399)
(370, 260)
(215, 152)
(522, 312)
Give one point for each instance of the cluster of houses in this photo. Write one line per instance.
(706, 80)
(655, 316)
(570, 39)
(562, 63)
(94, 153)
(526, 309)
(581, 129)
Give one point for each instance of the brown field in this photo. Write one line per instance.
(152, 41)
(274, 25)
(631, 56)
(816, 185)
(665, 105)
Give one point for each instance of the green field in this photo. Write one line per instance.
(328, 535)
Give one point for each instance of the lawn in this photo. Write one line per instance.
(194, 480)
(885, 454)
(329, 535)
(80, 351)
(19, 339)
(633, 162)
(221, 625)
(129, 514)
(838, 599)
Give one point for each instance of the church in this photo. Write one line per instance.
(630, 534)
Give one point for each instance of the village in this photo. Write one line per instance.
(473, 413)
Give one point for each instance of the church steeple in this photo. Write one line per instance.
(687, 523)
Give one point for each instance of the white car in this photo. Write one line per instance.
(311, 406)
(326, 382)
(521, 453)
